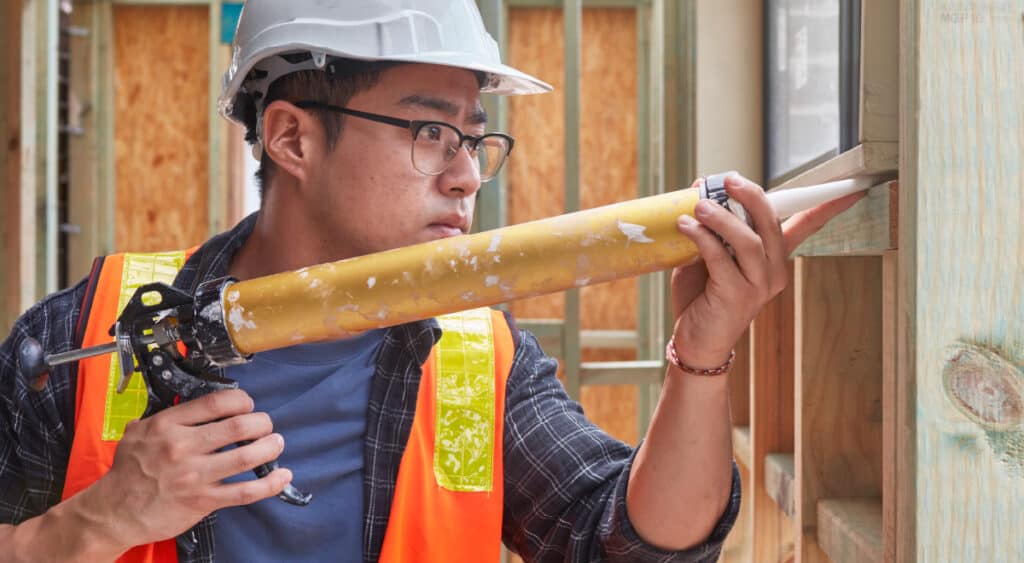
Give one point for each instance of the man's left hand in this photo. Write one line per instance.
(714, 300)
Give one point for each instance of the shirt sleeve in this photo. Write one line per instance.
(566, 479)
(36, 426)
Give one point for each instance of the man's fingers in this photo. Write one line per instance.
(243, 458)
(248, 492)
(749, 248)
(719, 262)
(248, 426)
(766, 223)
(208, 408)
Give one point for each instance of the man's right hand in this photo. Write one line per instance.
(167, 471)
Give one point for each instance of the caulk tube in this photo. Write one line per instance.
(784, 202)
(339, 299)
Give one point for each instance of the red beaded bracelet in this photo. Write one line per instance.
(670, 355)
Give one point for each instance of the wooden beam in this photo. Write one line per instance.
(892, 473)
(771, 419)
(838, 352)
(960, 271)
(779, 477)
(875, 159)
(850, 530)
(869, 228)
(10, 166)
(879, 71)
(741, 445)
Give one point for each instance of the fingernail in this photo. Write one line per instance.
(687, 221)
(703, 208)
(279, 439)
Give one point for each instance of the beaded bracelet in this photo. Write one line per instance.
(670, 355)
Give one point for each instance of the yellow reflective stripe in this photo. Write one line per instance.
(464, 391)
(139, 269)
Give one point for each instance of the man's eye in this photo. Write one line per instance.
(434, 132)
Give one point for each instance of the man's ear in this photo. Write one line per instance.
(291, 138)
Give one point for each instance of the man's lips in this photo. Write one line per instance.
(451, 226)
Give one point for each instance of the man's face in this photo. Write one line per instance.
(367, 196)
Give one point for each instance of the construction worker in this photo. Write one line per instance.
(367, 122)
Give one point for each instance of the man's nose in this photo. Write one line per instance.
(462, 177)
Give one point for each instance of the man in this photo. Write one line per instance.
(371, 136)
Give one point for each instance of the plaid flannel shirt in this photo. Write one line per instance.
(565, 479)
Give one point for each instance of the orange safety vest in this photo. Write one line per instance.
(448, 495)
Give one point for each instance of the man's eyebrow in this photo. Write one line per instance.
(477, 116)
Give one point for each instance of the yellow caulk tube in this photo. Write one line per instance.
(339, 299)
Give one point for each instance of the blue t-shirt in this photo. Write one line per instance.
(317, 396)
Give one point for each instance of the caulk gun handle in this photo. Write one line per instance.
(32, 360)
(290, 494)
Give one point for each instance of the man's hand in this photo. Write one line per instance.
(167, 472)
(715, 300)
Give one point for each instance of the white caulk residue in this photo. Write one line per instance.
(233, 296)
(491, 281)
(468, 296)
(211, 312)
(303, 274)
(348, 307)
(472, 262)
(495, 241)
(315, 283)
(237, 319)
(407, 276)
(582, 282)
(633, 232)
(371, 281)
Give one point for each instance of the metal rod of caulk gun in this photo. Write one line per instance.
(339, 299)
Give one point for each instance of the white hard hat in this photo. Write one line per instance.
(441, 32)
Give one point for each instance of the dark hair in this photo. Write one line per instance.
(336, 84)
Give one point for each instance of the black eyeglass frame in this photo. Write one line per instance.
(414, 127)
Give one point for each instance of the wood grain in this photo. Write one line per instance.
(961, 263)
(772, 395)
(838, 378)
(876, 159)
(161, 130)
(850, 530)
(868, 228)
(879, 70)
(892, 472)
(780, 481)
(10, 172)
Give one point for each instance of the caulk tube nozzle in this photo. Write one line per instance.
(791, 202)
(785, 202)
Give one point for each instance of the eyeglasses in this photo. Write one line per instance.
(435, 144)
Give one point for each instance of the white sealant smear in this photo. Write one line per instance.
(491, 281)
(582, 282)
(237, 319)
(371, 281)
(233, 296)
(495, 241)
(348, 307)
(303, 274)
(315, 283)
(633, 232)
(211, 312)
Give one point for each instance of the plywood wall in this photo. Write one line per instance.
(161, 126)
(608, 166)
